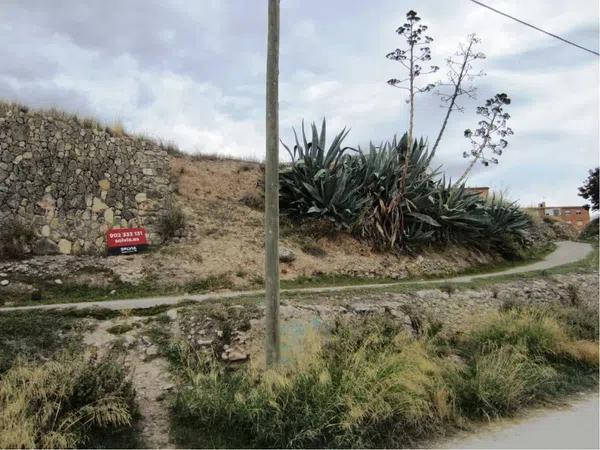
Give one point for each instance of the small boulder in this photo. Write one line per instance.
(286, 255)
(4, 283)
(128, 341)
(58, 281)
(64, 246)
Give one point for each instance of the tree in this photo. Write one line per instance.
(417, 52)
(590, 188)
(460, 70)
(490, 136)
(272, 340)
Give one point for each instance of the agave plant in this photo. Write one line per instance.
(360, 190)
(459, 213)
(393, 217)
(321, 182)
(505, 218)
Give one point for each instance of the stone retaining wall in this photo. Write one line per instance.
(72, 179)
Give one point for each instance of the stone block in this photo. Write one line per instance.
(65, 246)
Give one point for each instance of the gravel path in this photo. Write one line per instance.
(574, 426)
(566, 252)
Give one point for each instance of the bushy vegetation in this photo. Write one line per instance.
(64, 403)
(16, 239)
(171, 223)
(591, 231)
(372, 384)
(361, 192)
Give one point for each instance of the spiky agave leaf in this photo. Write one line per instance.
(320, 182)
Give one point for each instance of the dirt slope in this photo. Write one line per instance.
(223, 241)
(224, 236)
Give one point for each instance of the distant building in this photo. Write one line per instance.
(578, 216)
(483, 191)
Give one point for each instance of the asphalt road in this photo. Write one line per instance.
(566, 252)
(570, 427)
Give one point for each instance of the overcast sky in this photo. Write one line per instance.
(192, 72)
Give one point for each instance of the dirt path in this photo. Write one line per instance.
(150, 373)
(566, 252)
(574, 426)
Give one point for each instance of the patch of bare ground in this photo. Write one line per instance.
(128, 338)
(225, 236)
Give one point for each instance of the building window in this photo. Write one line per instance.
(567, 212)
(578, 212)
(556, 212)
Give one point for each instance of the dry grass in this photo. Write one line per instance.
(118, 129)
(370, 384)
(64, 403)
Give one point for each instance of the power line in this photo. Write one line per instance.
(536, 28)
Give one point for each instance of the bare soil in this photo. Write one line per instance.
(224, 236)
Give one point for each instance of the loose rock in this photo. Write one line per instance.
(286, 255)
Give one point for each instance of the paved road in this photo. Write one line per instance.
(574, 426)
(566, 252)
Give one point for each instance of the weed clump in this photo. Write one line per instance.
(16, 239)
(171, 223)
(64, 403)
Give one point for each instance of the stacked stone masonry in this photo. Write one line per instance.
(73, 180)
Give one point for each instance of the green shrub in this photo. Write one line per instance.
(537, 333)
(16, 239)
(591, 231)
(171, 223)
(581, 322)
(67, 402)
(120, 328)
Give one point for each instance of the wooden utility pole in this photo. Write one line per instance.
(272, 343)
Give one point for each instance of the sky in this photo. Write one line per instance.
(193, 73)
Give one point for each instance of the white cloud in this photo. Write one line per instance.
(195, 75)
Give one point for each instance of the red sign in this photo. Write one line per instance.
(126, 240)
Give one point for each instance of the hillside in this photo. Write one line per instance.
(226, 236)
(72, 203)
